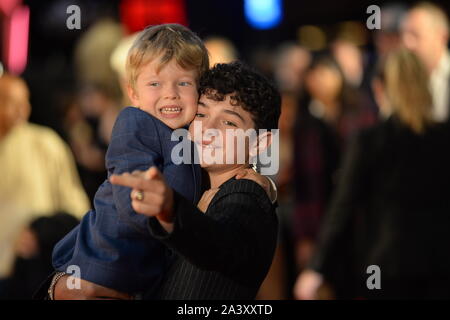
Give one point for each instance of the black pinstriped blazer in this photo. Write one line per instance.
(224, 253)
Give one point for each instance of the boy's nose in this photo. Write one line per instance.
(171, 92)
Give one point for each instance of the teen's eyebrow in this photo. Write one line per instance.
(235, 114)
(203, 104)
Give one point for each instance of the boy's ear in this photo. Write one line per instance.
(261, 144)
(132, 95)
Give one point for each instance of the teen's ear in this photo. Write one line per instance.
(132, 95)
(263, 141)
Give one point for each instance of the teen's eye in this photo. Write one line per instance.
(185, 83)
(229, 123)
(153, 84)
(200, 115)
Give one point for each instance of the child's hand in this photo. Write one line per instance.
(263, 181)
(150, 194)
(207, 196)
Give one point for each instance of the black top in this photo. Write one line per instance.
(395, 185)
(224, 253)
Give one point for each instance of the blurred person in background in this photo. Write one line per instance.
(351, 61)
(330, 112)
(394, 182)
(89, 119)
(290, 64)
(221, 50)
(118, 60)
(425, 31)
(33, 262)
(36, 167)
(385, 40)
(99, 97)
(388, 38)
(93, 53)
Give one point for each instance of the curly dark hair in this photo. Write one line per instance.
(248, 89)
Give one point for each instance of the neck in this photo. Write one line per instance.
(218, 177)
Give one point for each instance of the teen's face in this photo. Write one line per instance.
(169, 95)
(215, 118)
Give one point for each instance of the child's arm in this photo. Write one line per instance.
(236, 228)
(135, 145)
(237, 233)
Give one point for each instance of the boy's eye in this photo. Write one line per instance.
(185, 83)
(200, 115)
(153, 84)
(229, 123)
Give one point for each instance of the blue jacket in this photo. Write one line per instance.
(112, 245)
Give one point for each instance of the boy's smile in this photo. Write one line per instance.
(168, 93)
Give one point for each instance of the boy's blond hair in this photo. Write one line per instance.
(167, 41)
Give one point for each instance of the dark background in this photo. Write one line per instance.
(51, 44)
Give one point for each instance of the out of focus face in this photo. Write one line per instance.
(324, 83)
(7, 116)
(14, 104)
(291, 68)
(423, 36)
(350, 60)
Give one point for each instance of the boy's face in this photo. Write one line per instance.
(169, 95)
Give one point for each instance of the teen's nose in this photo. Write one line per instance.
(209, 130)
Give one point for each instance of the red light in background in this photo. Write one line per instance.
(137, 14)
(7, 6)
(16, 28)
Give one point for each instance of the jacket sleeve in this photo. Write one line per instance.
(135, 145)
(233, 236)
(347, 199)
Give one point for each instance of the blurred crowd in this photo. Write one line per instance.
(364, 173)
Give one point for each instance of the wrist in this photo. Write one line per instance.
(51, 289)
(166, 215)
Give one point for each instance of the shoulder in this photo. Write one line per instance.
(44, 137)
(243, 192)
(41, 131)
(133, 115)
(372, 137)
(133, 122)
(135, 118)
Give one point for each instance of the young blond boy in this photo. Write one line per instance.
(112, 246)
